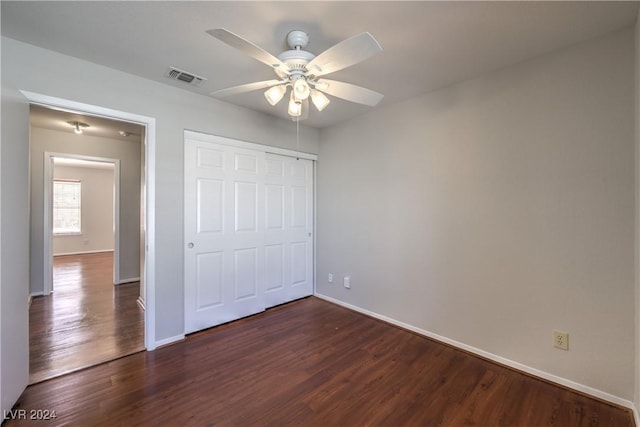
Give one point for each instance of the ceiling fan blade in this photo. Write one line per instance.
(344, 54)
(247, 47)
(349, 92)
(235, 90)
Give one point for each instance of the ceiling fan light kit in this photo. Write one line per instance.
(295, 106)
(301, 70)
(301, 89)
(319, 99)
(275, 94)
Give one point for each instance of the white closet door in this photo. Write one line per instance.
(288, 228)
(224, 234)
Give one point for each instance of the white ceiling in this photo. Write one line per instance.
(427, 45)
(98, 126)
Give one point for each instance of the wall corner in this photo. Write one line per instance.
(636, 399)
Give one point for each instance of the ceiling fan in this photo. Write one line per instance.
(302, 71)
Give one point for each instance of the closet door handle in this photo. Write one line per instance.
(190, 245)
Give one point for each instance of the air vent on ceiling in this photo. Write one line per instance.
(184, 76)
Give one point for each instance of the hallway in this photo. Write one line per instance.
(85, 321)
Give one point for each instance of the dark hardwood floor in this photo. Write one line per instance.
(86, 320)
(309, 363)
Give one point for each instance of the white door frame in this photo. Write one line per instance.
(220, 140)
(48, 209)
(148, 199)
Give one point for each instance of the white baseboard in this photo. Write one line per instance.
(36, 294)
(490, 356)
(140, 302)
(170, 340)
(84, 252)
(29, 299)
(130, 280)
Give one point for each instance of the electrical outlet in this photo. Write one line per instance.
(330, 278)
(347, 282)
(561, 340)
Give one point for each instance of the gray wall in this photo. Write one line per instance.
(128, 152)
(496, 210)
(637, 246)
(14, 256)
(489, 212)
(97, 216)
(26, 67)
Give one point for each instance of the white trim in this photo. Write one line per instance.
(10, 401)
(36, 294)
(149, 258)
(98, 251)
(29, 300)
(170, 340)
(215, 139)
(149, 192)
(637, 217)
(47, 244)
(130, 280)
(485, 354)
(315, 228)
(117, 253)
(140, 302)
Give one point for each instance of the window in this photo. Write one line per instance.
(67, 207)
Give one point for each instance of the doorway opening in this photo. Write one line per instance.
(86, 222)
(90, 299)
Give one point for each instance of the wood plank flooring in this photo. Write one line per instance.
(86, 320)
(310, 363)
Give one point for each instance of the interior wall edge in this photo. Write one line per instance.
(637, 217)
(599, 394)
(14, 232)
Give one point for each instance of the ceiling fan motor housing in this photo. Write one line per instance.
(295, 60)
(297, 39)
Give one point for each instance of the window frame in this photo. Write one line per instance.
(78, 207)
